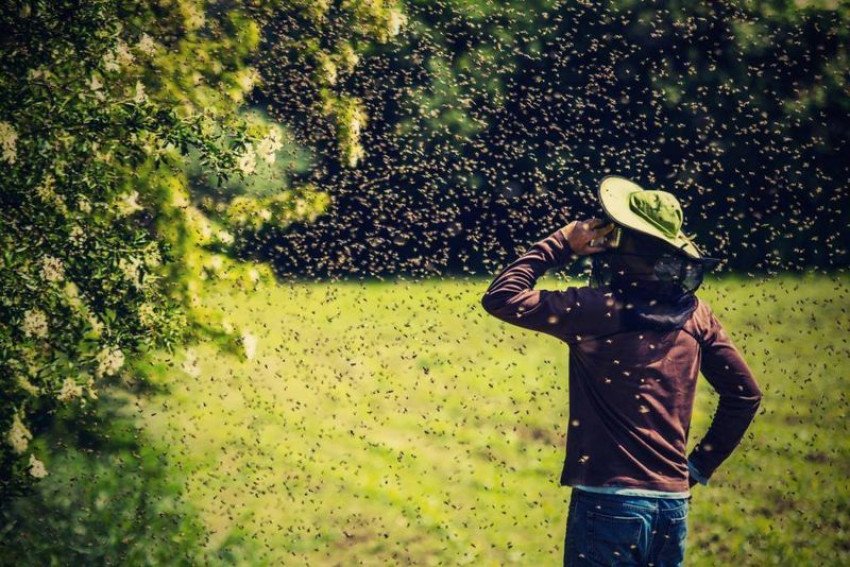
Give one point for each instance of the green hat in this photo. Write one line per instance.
(654, 213)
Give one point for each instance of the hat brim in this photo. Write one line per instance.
(614, 194)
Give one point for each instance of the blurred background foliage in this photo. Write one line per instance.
(151, 148)
(485, 119)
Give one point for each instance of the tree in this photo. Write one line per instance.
(99, 104)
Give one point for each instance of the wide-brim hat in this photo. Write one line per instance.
(655, 213)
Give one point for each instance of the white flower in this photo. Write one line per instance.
(180, 199)
(214, 263)
(27, 386)
(348, 56)
(352, 123)
(355, 124)
(77, 235)
(140, 95)
(247, 162)
(95, 83)
(48, 195)
(40, 73)
(90, 387)
(203, 228)
(95, 323)
(265, 214)
(69, 391)
(194, 17)
(52, 269)
(109, 361)
(249, 343)
(105, 157)
(329, 68)
(18, 435)
(152, 256)
(394, 23)
(254, 275)
(72, 294)
(96, 87)
(147, 314)
(247, 79)
(268, 146)
(128, 204)
(131, 269)
(190, 365)
(37, 467)
(8, 142)
(109, 62)
(123, 54)
(227, 326)
(84, 205)
(224, 237)
(35, 323)
(146, 44)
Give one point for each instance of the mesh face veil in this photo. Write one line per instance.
(673, 272)
(681, 270)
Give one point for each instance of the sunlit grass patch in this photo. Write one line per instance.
(392, 422)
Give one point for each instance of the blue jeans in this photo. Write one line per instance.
(612, 529)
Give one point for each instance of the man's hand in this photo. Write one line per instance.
(580, 234)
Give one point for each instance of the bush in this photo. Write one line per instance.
(104, 244)
(89, 154)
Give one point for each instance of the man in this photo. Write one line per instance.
(638, 337)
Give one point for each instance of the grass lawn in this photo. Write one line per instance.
(396, 422)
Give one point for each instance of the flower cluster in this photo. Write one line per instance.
(109, 361)
(34, 324)
(8, 139)
(18, 435)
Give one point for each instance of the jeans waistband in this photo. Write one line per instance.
(642, 502)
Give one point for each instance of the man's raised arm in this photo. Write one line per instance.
(511, 296)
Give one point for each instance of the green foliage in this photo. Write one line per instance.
(279, 163)
(278, 210)
(99, 104)
(129, 172)
(315, 48)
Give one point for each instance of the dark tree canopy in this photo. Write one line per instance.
(485, 120)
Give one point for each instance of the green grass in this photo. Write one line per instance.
(396, 422)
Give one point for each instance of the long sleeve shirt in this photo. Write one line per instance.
(631, 392)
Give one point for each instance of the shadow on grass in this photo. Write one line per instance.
(108, 500)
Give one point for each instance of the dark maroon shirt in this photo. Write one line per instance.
(631, 392)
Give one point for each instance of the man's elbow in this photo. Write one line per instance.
(748, 393)
(488, 303)
(755, 395)
(743, 406)
(751, 403)
(494, 303)
(757, 400)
